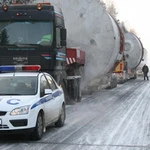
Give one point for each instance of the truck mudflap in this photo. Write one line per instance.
(73, 89)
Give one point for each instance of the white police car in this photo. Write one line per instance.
(29, 101)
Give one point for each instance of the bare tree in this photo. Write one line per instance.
(111, 9)
(102, 3)
(4, 37)
(133, 31)
(124, 27)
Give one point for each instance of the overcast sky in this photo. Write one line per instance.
(135, 14)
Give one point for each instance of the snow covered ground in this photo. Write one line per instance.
(114, 119)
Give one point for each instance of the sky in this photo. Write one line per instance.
(136, 15)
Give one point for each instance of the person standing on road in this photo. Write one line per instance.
(145, 70)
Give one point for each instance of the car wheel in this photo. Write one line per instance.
(38, 131)
(62, 117)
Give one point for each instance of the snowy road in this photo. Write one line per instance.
(116, 119)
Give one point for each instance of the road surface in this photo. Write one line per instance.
(114, 119)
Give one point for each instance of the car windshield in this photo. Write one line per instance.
(33, 32)
(18, 85)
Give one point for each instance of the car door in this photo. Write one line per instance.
(49, 102)
(56, 96)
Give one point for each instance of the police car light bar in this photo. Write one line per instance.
(16, 68)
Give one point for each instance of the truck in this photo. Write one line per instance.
(132, 57)
(36, 35)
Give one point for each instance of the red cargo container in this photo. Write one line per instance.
(75, 55)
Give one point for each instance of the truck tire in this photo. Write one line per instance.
(115, 84)
(64, 87)
(122, 81)
(79, 98)
(75, 91)
(79, 95)
(135, 76)
(38, 131)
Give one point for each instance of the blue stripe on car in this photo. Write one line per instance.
(46, 99)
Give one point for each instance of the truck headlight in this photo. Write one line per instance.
(20, 110)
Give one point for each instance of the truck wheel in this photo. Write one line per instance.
(76, 91)
(79, 99)
(76, 98)
(121, 81)
(62, 117)
(38, 131)
(135, 76)
(79, 96)
(115, 83)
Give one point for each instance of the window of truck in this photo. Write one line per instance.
(26, 32)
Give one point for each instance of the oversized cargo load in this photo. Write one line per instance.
(133, 55)
(133, 50)
(91, 28)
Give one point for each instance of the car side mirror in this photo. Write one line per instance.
(48, 91)
(63, 34)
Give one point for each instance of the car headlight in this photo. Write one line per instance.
(20, 110)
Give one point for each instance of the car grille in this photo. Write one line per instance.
(4, 127)
(3, 113)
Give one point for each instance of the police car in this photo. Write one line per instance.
(29, 101)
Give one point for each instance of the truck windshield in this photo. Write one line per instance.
(33, 32)
(18, 85)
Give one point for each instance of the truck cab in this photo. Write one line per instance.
(33, 34)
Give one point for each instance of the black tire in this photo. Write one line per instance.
(75, 91)
(135, 76)
(122, 81)
(79, 96)
(38, 131)
(61, 120)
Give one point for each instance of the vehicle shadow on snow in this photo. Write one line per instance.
(15, 138)
(11, 138)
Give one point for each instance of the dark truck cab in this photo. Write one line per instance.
(33, 34)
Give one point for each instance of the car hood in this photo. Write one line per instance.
(7, 103)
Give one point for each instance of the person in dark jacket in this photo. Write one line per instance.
(145, 70)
